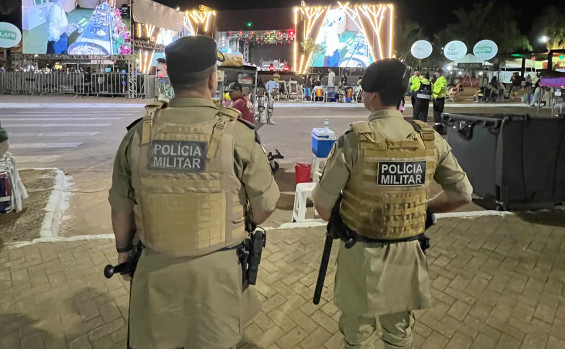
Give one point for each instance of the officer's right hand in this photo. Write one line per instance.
(122, 258)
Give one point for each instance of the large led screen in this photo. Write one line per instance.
(341, 42)
(76, 27)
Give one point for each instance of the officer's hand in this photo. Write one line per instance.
(122, 258)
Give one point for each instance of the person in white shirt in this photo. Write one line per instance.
(331, 78)
(57, 26)
(331, 58)
(271, 85)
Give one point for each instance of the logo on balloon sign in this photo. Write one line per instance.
(485, 49)
(10, 35)
(455, 50)
(421, 49)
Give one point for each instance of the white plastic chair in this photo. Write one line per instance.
(303, 192)
(18, 190)
(317, 168)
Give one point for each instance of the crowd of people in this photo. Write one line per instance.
(314, 86)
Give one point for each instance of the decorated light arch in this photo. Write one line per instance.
(369, 29)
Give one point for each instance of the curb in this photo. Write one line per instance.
(54, 208)
(310, 223)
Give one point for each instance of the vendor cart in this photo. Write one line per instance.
(556, 81)
(246, 75)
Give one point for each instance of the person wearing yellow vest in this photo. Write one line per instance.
(183, 177)
(439, 90)
(412, 83)
(423, 90)
(382, 169)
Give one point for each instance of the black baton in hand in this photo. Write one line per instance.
(323, 267)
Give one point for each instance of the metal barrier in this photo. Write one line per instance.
(112, 84)
(38, 83)
(77, 83)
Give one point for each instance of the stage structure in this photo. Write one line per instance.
(253, 44)
(119, 32)
(342, 35)
(157, 25)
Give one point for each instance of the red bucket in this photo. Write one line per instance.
(302, 170)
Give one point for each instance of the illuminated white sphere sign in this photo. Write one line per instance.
(421, 49)
(455, 50)
(10, 35)
(485, 49)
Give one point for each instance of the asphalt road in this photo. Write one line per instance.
(86, 139)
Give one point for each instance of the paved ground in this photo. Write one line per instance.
(497, 283)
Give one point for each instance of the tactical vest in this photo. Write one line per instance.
(425, 91)
(387, 193)
(185, 187)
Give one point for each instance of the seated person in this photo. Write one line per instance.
(496, 89)
(318, 93)
(241, 103)
(478, 95)
(3, 142)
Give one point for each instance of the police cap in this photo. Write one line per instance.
(191, 54)
(388, 77)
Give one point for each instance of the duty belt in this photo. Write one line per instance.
(362, 238)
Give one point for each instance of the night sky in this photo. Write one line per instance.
(432, 15)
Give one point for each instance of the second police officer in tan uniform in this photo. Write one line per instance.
(383, 168)
(181, 177)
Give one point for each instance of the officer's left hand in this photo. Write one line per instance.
(122, 258)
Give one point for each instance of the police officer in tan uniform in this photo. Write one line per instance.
(383, 169)
(181, 178)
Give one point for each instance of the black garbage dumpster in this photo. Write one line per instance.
(516, 160)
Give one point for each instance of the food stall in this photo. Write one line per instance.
(104, 34)
(554, 78)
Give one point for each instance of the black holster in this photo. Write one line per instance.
(249, 254)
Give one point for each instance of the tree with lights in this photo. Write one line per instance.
(550, 27)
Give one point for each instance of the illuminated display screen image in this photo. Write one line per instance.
(346, 35)
(342, 42)
(76, 27)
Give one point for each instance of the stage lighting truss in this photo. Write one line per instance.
(272, 37)
(200, 22)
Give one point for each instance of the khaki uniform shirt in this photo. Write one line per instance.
(192, 302)
(377, 278)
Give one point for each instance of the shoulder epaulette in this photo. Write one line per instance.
(361, 127)
(151, 108)
(134, 123)
(425, 130)
(246, 123)
(155, 105)
(230, 112)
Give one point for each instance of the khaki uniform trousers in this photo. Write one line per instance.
(380, 282)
